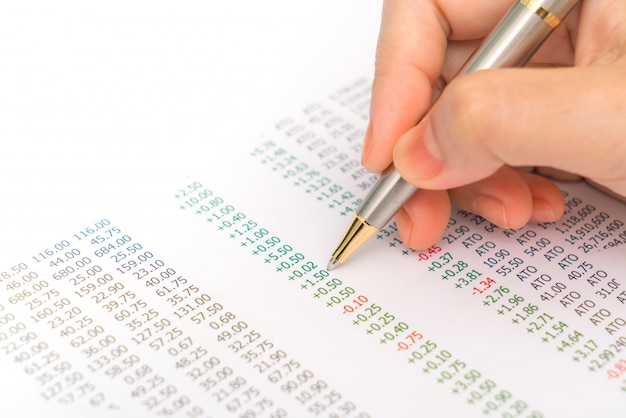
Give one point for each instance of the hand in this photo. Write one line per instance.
(566, 110)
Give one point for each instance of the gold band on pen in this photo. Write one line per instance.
(537, 8)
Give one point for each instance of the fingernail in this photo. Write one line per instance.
(542, 211)
(490, 208)
(367, 144)
(430, 143)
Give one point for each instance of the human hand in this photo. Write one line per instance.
(565, 111)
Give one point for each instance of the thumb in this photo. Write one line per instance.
(572, 119)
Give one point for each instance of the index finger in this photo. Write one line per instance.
(409, 58)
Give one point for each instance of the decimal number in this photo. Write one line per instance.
(18, 268)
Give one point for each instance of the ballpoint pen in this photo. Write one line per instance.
(511, 44)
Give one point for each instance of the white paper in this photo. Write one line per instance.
(127, 127)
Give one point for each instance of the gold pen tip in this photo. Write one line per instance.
(356, 234)
(332, 264)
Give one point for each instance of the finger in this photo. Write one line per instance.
(423, 218)
(511, 198)
(409, 55)
(502, 198)
(548, 203)
(571, 119)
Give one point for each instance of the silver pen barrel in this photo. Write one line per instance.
(385, 198)
(519, 34)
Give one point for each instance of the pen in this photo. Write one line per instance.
(511, 44)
